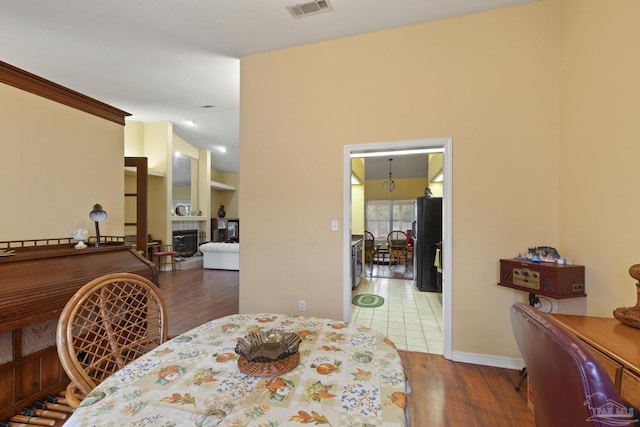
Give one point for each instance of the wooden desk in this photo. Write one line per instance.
(616, 345)
(35, 285)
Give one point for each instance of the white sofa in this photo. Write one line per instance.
(221, 256)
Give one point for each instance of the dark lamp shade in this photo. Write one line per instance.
(97, 214)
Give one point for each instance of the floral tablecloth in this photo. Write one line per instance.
(348, 375)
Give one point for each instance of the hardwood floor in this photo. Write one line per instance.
(444, 393)
(196, 296)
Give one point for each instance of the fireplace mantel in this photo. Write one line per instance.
(189, 218)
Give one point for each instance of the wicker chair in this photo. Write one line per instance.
(109, 322)
(370, 248)
(397, 244)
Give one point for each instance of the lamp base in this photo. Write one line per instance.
(80, 245)
(629, 316)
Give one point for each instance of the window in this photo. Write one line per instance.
(384, 216)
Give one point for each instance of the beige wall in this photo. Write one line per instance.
(541, 102)
(357, 198)
(55, 164)
(490, 81)
(183, 147)
(600, 148)
(228, 198)
(358, 208)
(155, 142)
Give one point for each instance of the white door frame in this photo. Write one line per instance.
(443, 143)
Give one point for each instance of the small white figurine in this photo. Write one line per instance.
(81, 234)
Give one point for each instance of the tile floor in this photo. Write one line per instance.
(410, 318)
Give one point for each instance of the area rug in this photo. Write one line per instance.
(367, 300)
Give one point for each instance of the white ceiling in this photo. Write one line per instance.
(178, 60)
(410, 166)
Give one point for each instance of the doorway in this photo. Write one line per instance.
(442, 145)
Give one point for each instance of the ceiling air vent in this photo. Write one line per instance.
(311, 8)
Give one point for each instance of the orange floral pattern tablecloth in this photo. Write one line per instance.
(348, 375)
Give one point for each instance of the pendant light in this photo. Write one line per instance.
(389, 185)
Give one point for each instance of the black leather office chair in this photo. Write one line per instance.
(570, 387)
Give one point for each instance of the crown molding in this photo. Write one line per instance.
(28, 82)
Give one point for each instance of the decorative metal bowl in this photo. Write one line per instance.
(268, 346)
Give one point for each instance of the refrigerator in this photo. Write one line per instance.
(428, 244)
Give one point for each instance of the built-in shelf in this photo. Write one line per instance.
(221, 186)
(189, 218)
(151, 172)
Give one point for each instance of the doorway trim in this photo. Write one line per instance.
(447, 251)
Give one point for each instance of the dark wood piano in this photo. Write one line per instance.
(35, 285)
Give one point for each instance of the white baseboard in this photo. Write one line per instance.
(487, 360)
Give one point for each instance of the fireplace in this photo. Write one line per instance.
(185, 242)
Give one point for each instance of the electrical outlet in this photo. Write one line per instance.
(302, 306)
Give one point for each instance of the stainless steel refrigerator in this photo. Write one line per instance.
(428, 244)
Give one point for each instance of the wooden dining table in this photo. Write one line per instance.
(348, 375)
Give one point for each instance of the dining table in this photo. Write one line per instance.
(347, 375)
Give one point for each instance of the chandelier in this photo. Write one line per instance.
(389, 185)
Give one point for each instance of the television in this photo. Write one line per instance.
(233, 230)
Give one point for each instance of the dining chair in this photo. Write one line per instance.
(164, 255)
(397, 245)
(570, 387)
(370, 248)
(106, 324)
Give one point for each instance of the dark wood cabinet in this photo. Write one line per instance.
(139, 164)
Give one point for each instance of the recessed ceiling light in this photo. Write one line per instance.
(221, 149)
(191, 123)
(207, 106)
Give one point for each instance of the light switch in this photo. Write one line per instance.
(334, 225)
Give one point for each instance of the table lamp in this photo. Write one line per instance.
(97, 215)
